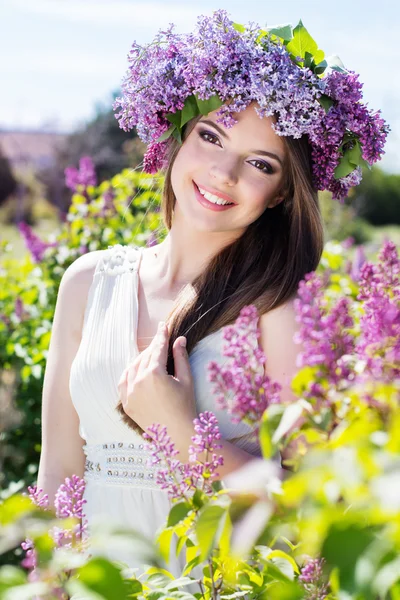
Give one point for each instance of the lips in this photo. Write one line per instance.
(221, 195)
(210, 205)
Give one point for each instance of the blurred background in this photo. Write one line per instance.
(63, 61)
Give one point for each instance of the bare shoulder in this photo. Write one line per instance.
(278, 327)
(284, 316)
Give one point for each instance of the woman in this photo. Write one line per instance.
(244, 227)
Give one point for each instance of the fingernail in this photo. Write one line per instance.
(183, 343)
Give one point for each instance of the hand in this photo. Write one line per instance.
(149, 394)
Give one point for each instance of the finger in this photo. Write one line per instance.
(147, 354)
(181, 361)
(160, 352)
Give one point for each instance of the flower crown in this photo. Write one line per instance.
(226, 66)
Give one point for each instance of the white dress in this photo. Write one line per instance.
(120, 487)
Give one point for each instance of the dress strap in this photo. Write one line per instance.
(119, 259)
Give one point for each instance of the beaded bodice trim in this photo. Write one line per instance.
(119, 259)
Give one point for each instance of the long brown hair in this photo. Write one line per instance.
(263, 267)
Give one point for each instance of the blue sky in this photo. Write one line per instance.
(62, 57)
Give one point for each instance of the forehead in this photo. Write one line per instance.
(251, 131)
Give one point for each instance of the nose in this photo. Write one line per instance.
(225, 172)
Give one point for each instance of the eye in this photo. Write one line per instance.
(209, 137)
(264, 166)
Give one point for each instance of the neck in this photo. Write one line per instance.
(184, 254)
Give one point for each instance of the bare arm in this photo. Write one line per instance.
(62, 454)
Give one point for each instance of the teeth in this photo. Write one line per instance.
(212, 198)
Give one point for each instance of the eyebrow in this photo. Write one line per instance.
(223, 134)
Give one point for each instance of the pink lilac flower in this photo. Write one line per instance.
(68, 502)
(237, 68)
(180, 480)
(240, 385)
(325, 335)
(163, 452)
(84, 176)
(33, 243)
(312, 578)
(206, 441)
(358, 261)
(379, 292)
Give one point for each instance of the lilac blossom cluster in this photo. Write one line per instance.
(312, 579)
(34, 244)
(181, 480)
(240, 66)
(68, 502)
(325, 336)
(240, 385)
(379, 291)
(82, 177)
(346, 351)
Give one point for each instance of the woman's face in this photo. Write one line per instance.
(242, 164)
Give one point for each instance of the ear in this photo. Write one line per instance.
(275, 201)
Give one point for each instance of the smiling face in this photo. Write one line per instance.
(242, 165)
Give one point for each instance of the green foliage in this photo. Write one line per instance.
(377, 198)
(94, 222)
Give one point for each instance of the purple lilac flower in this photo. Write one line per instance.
(241, 385)
(33, 243)
(379, 342)
(163, 451)
(30, 560)
(324, 334)
(68, 502)
(312, 579)
(358, 261)
(84, 176)
(180, 480)
(206, 441)
(216, 60)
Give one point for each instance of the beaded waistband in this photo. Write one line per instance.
(121, 463)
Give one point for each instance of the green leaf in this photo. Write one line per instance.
(166, 134)
(207, 106)
(239, 27)
(177, 135)
(326, 102)
(175, 118)
(190, 565)
(285, 32)
(190, 110)
(320, 67)
(302, 42)
(102, 577)
(217, 486)
(208, 528)
(342, 548)
(14, 508)
(269, 423)
(178, 512)
(11, 577)
(164, 543)
(198, 498)
(267, 448)
(351, 159)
